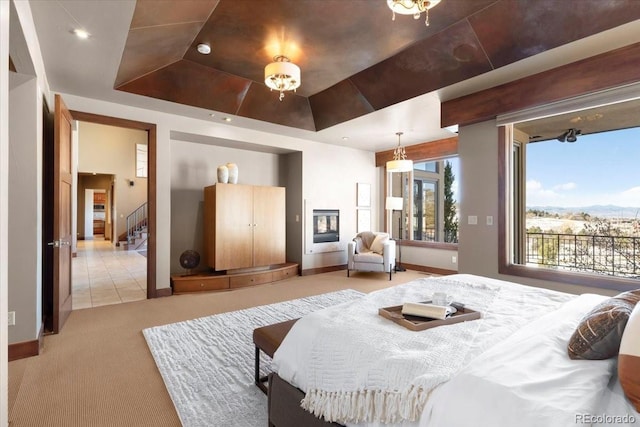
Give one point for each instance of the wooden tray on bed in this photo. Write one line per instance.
(417, 323)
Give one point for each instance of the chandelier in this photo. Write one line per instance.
(400, 163)
(282, 75)
(412, 7)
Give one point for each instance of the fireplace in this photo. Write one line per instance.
(326, 225)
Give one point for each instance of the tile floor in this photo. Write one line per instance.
(103, 274)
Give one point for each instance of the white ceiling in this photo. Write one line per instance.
(88, 68)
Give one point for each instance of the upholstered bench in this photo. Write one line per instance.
(267, 339)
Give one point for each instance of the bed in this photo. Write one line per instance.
(346, 365)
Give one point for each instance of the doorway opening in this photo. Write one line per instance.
(148, 286)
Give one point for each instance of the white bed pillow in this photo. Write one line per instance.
(527, 380)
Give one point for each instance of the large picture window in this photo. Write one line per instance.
(574, 193)
(430, 202)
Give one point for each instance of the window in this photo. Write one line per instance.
(573, 196)
(141, 160)
(430, 205)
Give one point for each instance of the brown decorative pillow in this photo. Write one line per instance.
(629, 359)
(599, 333)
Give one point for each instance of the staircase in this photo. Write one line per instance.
(135, 236)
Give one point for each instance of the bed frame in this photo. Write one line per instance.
(284, 406)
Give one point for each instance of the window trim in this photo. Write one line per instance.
(426, 151)
(505, 266)
(388, 215)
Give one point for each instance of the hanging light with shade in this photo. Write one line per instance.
(400, 163)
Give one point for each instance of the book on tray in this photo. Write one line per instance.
(427, 310)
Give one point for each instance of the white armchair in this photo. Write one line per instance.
(371, 251)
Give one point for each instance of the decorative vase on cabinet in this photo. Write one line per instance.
(233, 173)
(223, 174)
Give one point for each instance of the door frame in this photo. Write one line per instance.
(151, 185)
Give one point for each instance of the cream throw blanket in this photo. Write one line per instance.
(362, 367)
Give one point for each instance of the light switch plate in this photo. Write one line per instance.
(472, 220)
(489, 220)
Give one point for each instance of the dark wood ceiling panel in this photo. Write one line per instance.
(557, 84)
(149, 13)
(339, 103)
(354, 59)
(188, 83)
(426, 150)
(448, 57)
(330, 39)
(513, 30)
(151, 48)
(260, 103)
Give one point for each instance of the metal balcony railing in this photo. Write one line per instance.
(429, 235)
(611, 255)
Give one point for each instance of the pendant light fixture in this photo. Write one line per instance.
(400, 163)
(412, 7)
(282, 75)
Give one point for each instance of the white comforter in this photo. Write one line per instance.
(515, 359)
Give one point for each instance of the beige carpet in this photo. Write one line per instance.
(99, 372)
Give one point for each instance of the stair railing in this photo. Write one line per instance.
(136, 222)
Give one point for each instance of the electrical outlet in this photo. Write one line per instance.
(454, 259)
(11, 318)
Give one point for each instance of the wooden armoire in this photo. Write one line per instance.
(244, 226)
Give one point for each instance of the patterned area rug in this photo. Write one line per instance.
(207, 363)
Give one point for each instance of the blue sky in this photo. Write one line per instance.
(598, 169)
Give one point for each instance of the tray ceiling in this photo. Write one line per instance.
(354, 58)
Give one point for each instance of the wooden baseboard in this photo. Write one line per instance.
(426, 269)
(22, 350)
(164, 292)
(320, 270)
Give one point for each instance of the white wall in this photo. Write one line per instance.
(478, 151)
(88, 213)
(4, 207)
(25, 210)
(193, 167)
(112, 150)
(330, 175)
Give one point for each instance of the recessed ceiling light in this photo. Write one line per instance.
(81, 34)
(204, 48)
(345, 138)
(227, 119)
(212, 115)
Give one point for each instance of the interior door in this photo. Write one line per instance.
(62, 186)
